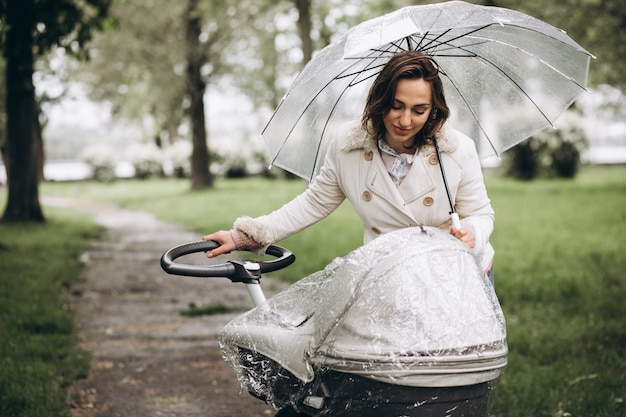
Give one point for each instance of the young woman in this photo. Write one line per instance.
(387, 166)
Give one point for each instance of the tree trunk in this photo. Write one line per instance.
(172, 131)
(196, 87)
(38, 148)
(304, 27)
(23, 197)
(5, 159)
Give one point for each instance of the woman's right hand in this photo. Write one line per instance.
(226, 241)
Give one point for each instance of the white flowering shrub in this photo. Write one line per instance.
(147, 160)
(101, 159)
(238, 159)
(177, 158)
(563, 145)
(552, 152)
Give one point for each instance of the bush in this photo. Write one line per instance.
(566, 160)
(178, 159)
(101, 160)
(147, 160)
(240, 159)
(236, 167)
(523, 161)
(550, 153)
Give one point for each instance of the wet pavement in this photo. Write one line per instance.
(147, 359)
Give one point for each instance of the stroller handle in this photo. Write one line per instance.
(236, 271)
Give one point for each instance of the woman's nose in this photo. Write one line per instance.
(405, 118)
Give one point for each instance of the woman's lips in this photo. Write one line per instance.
(401, 131)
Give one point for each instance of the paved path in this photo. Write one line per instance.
(148, 360)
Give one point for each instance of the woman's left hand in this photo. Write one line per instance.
(465, 235)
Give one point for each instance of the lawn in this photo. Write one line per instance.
(39, 267)
(559, 272)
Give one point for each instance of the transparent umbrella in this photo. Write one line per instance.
(506, 77)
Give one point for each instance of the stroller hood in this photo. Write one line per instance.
(412, 307)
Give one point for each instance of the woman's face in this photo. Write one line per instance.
(408, 114)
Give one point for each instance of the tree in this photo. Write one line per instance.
(30, 29)
(304, 27)
(138, 64)
(195, 89)
(597, 25)
(23, 201)
(160, 67)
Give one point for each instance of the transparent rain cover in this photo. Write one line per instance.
(411, 308)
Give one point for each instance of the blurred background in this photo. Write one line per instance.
(148, 88)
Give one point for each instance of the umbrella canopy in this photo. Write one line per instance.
(506, 76)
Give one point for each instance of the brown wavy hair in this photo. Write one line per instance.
(405, 65)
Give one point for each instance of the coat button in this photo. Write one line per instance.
(428, 201)
(376, 230)
(432, 159)
(367, 196)
(369, 155)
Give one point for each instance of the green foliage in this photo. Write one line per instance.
(40, 264)
(138, 64)
(597, 25)
(68, 24)
(552, 152)
(522, 162)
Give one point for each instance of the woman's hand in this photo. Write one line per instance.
(226, 241)
(465, 235)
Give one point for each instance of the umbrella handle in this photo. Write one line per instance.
(456, 222)
(454, 216)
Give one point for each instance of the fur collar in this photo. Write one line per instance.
(359, 139)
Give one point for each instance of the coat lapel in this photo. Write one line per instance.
(380, 184)
(418, 182)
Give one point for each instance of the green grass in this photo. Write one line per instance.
(559, 270)
(561, 279)
(39, 264)
(210, 310)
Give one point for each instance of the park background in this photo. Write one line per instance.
(165, 78)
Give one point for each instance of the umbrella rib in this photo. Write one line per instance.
(293, 126)
(474, 55)
(319, 145)
(482, 129)
(547, 64)
(449, 41)
(427, 46)
(370, 56)
(518, 87)
(487, 40)
(352, 83)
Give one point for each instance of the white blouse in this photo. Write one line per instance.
(398, 165)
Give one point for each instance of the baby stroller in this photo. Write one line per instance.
(407, 325)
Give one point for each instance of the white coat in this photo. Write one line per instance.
(354, 169)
